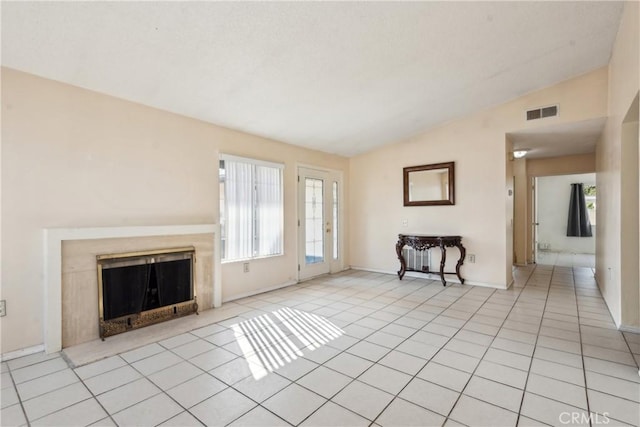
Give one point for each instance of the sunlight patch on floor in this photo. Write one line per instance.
(266, 347)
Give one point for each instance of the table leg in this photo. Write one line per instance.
(403, 264)
(463, 253)
(443, 250)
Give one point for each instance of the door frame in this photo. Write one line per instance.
(534, 219)
(336, 175)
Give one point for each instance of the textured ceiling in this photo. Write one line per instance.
(559, 140)
(337, 77)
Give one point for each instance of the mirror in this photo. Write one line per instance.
(429, 185)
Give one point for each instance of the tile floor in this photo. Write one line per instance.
(361, 349)
(566, 259)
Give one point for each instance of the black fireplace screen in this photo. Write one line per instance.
(136, 284)
(136, 288)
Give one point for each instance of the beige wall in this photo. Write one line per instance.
(562, 165)
(76, 158)
(613, 239)
(482, 213)
(521, 203)
(629, 206)
(509, 210)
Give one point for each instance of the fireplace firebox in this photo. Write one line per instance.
(137, 289)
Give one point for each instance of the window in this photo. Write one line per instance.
(251, 208)
(590, 199)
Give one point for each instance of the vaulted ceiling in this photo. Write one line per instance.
(341, 77)
(559, 140)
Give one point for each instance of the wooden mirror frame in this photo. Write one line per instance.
(450, 166)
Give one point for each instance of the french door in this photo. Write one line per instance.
(319, 228)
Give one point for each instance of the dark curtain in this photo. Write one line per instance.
(578, 224)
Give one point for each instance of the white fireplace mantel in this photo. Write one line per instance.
(53, 238)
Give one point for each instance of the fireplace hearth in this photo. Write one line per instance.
(136, 289)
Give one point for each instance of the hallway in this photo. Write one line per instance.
(564, 259)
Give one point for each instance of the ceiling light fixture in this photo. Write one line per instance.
(520, 153)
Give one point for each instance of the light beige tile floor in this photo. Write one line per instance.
(566, 259)
(360, 349)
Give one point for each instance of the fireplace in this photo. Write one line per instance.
(137, 289)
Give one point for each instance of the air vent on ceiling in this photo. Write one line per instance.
(541, 113)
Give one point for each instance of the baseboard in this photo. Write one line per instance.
(414, 274)
(510, 283)
(260, 291)
(22, 352)
(430, 276)
(488, 285)
(377, 270)
(632, 329)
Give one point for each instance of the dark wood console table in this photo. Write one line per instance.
(423, 242)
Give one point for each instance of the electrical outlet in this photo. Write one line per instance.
(405, 222)
(472, 258)
(245, 267)
(3, 308)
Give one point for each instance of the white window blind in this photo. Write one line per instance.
(251, 208)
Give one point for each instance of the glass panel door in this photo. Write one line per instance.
(318, 213)
(314, 220)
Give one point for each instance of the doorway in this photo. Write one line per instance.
(319, 222)
(552, 245)
(551, 149)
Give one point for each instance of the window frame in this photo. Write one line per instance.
(254, 206)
